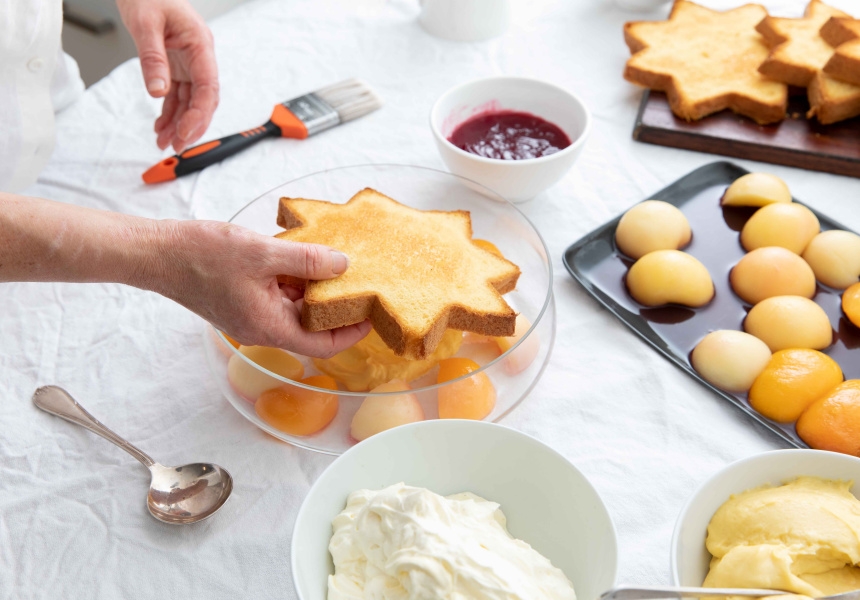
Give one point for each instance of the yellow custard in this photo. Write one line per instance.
(803, 536)
(371, 362)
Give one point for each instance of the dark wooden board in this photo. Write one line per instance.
(794, 142)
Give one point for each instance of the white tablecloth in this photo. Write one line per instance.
(73, 523)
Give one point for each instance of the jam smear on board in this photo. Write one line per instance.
(509, 135)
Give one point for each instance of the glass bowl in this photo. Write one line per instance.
(493, 219)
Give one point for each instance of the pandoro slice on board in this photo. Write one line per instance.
(706, 61)
(797, 56)
(413, 273)
(844, 35)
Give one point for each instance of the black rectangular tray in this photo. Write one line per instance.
(674, 331)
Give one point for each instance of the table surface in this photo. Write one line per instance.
(73, 521)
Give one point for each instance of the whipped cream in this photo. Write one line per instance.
(408, 543)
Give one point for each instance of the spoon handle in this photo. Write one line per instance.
(653, 593)
(59, 402)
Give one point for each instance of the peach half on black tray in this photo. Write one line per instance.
(713, 250)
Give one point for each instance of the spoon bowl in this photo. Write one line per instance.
(189, 493)
(177, 495)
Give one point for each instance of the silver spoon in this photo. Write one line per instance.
(185, 494)
(625, 592)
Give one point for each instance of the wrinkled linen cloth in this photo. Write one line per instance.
(73, 520)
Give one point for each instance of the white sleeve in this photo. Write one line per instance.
(34, 74)
(67, 85)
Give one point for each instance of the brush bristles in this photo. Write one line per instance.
(351, 99)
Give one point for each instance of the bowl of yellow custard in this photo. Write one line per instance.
(329, 405)
(787, 519)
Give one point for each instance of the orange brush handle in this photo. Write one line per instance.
(289, 124)
(282, 124)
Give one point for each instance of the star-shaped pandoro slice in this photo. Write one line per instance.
(706, 61)
(844, 35)
(798, 55)
(413, 273)
(798, 52)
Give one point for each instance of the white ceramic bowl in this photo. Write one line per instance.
(516, 180)
(689, 557)
(547, 501)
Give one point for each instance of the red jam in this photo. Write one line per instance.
(509, 135)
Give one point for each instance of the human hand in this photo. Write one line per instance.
(228, 275)
(178, 62)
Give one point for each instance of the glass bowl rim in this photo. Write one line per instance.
(487, 191)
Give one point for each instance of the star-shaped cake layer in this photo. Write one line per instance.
(844, 35)
(413, 273)
(706, 61)
(798, 55)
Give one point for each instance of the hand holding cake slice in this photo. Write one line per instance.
(413, 273)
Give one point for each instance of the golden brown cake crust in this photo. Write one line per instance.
(844, 35)
(797, 50)
(706, 61)
(798, 55)
(832, 100)
(413, 273)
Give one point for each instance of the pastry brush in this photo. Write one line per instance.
(297, 118)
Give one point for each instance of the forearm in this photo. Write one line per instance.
(42, 240)
(225, 273)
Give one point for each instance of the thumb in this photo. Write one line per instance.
(153, 59)
(308, 261)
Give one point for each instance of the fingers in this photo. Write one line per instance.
(149, 38)
(204, 94)
(184, 96)
(345, 337)
(195, 120)
(318, 344)
(177, 56)
(325, 344)
(306, 261)
(291, 292)
(175, 105)
(165, 127)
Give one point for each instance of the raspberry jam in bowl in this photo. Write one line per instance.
(514, 135)
(509, 135)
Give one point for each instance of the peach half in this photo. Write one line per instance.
(851, 304)
(835, 258)
(789, 322)
(772, 271)
(790, 226)
(250, 381)
(652, 225)
(378, 413)
(670, 277)
(730, 360)
(756, 189)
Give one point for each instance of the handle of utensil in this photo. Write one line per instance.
(57, 401)
(657, 593)
(208, 153)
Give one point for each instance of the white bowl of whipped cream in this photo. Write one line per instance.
(453, 509)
